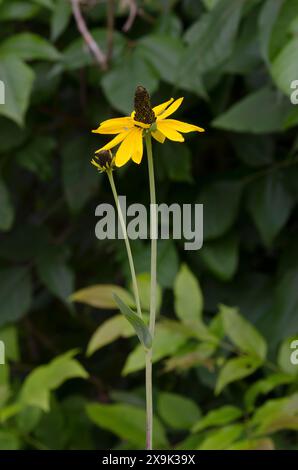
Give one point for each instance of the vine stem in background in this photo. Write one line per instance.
(127, 244)
(153, 236)
(99, 56)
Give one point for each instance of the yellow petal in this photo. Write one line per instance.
(171, 109)
(183, 126)
(169, 132)
(126, 149)
(114, 141)
(114, 126)
(138, 148)
(158, 136)
(161, 107)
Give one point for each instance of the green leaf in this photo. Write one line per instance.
(163, 53)
(264, 386)
(35, 156)
(188, 296)
(236, 369)
(11, 135)
(214, 39)
(56, 274)
(166, 343)
(177, 411)
(6, 208)
(60, 18)
(127, 422)
(101, 296)
(176, 162)
(270, 205)
(253, 444)
(242, 333)
(18, 10)
(80, 180)
(15, 294)
(18, 79)
(219, 417)
(221, 202)
(285, 352)
(143, 281)
(119, 84)
(9, 336)
(260, 112)
(222, 439)
(221, 256)
(110, 330)
(276, 415)
(44, 379)
(136, 322)
(9, 440)
(29, 46)
(284, 68)
(268, 15)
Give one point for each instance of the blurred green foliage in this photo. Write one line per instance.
(73, 376)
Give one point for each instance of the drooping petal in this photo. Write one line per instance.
(158, 136)
(114, 126)
(141, 124)
(169, 132)
(138, 148)
(161, 107)
(126, 149)
(183, 126)
(119, 138)
(171, 109)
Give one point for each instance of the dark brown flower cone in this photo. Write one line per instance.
(144, 112)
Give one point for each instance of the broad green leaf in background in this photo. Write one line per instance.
(281, 32)
(188, 296)
(177, 411)
(57, 276)
(219, 417)
(143, 281)
(127, 422)
(101, 296)
(285, 67)
(267, 18)
(270, 204)
(275, 415)
(221, 202)
(9, 336)
(44, 379)
(15, 294)
(80, 180)
(9, 440)
(110, 330)
(176, 162)
(286, 350)
(265, 386)
(36, 156)
(223, 438)
(6, 208)
(163, 53)
(215, 40)
(166, 343)
(17, 10)
(18, 79)
(119, 84)
(242, 333)
(261, 112)
(29, 46)
(61, 16)
(136, 322)
(221, 256)
(236, 369)
(253, 444)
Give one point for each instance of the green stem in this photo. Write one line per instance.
(127, 244)
(153, 235)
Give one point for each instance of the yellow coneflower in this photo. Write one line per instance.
(130, 130)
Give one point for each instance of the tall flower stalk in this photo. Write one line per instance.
(130, 131)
